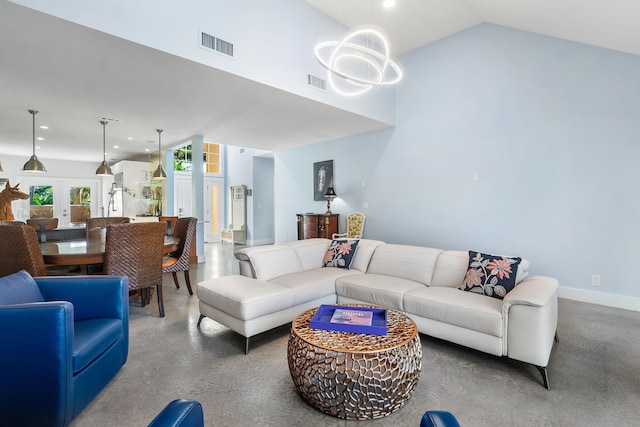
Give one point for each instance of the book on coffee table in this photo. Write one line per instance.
(352, 317)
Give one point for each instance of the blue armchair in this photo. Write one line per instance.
(180, 413)
(62, 339)
(439, 419)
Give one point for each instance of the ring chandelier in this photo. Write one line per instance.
(361, 60)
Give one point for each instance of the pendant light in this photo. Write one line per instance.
(159, 173)
(33, 164)
(104, 169)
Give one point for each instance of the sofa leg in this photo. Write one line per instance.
(202, 316)
(246, 345)
(545, 376)
(556, 338)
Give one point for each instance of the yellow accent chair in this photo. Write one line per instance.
(355, 227)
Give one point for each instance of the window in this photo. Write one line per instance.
(183, 158)
(41, 201)
(211, 158)
(79, 204)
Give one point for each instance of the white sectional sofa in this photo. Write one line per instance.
(422, 282)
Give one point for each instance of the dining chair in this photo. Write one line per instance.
(20, 250)
(185, 230)
(41, 225)
(94, 224)
(171, 223)
(135, 250)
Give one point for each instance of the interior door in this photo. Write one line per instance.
(182, 196)
(213, 208)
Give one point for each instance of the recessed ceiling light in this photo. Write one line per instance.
(44, 127)
(130, 138)
(116, 146)
(387, 4)
(40, 138)
(147, 150)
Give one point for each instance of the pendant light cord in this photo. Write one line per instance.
(33, 121)
(104, 140)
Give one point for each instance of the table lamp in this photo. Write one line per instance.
(330, 194)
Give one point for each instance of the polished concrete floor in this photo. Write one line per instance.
(594, 372)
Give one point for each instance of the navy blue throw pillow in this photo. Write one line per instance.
(491, 275)
(340, 253)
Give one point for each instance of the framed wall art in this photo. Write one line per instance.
(322, 179)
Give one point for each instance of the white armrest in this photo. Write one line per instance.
(530, 314)
(534, 290)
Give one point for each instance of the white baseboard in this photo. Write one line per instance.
(600, 298)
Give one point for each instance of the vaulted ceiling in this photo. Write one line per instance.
(137, 86)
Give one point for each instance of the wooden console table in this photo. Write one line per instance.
(312, 225)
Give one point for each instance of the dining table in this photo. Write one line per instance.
(83, 252)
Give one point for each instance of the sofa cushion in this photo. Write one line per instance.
(464, 309)
(451, 267)
(340, 253)
(311, 285)
(91, 338)
(19, 288)
(276, 262)
(243, 297)
(376, 289)
(363, 255)
(491, 275)
(414, 263)
(310, 251)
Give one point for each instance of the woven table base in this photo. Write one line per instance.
(355, 376)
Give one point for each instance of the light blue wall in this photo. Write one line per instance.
(552, 128)
(239, 170)
(262, 201)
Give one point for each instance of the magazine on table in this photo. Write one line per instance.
(352, 317)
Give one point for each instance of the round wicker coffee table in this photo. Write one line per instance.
(355, 376)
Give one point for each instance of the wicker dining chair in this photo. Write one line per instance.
(94, 224)
(41, 225)
(135, 250)
(20, 250)
(185, 230)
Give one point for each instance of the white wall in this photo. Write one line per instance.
(550, 126)
(273, 40)
(66, 169)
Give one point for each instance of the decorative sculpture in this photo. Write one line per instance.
(8, 195)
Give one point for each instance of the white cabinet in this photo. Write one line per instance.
(136, 194)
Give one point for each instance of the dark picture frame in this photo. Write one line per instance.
(322, 179)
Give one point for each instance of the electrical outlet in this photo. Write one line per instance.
(595, 280)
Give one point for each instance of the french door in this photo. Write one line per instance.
(72, 201)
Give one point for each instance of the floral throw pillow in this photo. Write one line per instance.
(491, 275)
(340, 253)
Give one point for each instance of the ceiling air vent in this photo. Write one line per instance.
(317, 82)
(210, 42)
